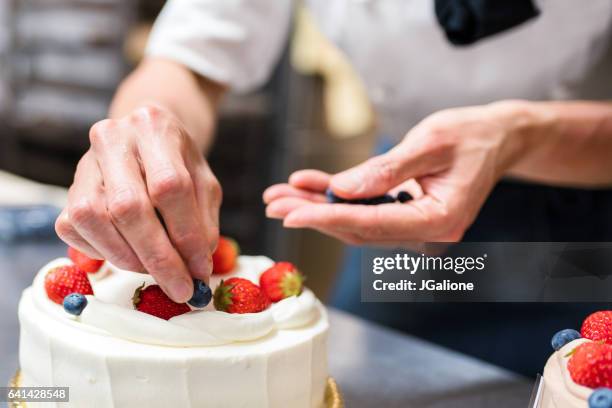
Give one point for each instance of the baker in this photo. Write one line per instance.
(469, 99)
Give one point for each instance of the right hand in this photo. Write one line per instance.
(145, 199)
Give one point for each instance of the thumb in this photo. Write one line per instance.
(377, 175)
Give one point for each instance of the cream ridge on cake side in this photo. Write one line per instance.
(579, 373)
(109, 345)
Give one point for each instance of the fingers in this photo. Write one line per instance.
(278, 191)
(389, 225)
(374, 177)
(171, 189)
(87, 216)
(313, 180)
(411, 186)
(388, 222)
(285, 198)
(133, 214)
(380, 174)
(71, 237)
(279, 208)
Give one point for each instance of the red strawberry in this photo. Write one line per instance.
(591, 365)
(224, 258)
(152, 300)
(237, 295)
(64, 280)
(84, 262)
(281, 281)
(598, 327)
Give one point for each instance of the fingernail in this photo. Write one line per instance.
(349, 182)
(180, 290)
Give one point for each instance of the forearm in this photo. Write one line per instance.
(562, 143)
(172, 86)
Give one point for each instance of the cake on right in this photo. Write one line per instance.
(579, 372)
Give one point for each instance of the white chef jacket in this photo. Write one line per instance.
(397, 47)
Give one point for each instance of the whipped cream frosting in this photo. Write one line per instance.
(560, 391)
(110, 310)
(116, 357)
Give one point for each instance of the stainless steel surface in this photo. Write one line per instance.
(374, 366)
(536, 394)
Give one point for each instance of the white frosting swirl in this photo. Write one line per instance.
(227, 326)
(295, 311)
(560, 391)
(141, 327)
(111, 311)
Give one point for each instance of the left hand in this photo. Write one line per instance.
(449, 162)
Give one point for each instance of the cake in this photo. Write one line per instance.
(579, 373)
(112, 355)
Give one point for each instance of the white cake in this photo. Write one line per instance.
(113, 356)
(560, 391)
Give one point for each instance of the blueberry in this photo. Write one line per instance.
(601, 398)
(332, 198)
(563, 337)
(387, 199)
(404, 196)
(383, 199)
(201, 294)
(75, 303)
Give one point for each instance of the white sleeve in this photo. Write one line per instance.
(234, 42)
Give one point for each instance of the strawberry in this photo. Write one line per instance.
(238, 295)
(152, 300)
(224, 257)
(64, 280)
(281, 281)
(591, 365)
(598, 327)
(84, 262)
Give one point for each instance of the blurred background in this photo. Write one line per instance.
(60, 62)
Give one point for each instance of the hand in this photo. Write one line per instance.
(145, 199)
(449, 162)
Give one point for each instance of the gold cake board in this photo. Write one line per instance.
(333, 398)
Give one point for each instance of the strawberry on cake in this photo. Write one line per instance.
(253, 337)
(579, 373)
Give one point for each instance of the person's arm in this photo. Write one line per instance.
(566, 143)
(143, 196)
(450, 162)
(174, 87)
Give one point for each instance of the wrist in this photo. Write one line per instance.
(523, 123)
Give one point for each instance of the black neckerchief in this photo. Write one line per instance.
(466, 21)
